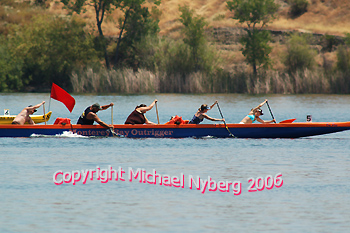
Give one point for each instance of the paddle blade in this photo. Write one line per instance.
(288, 121)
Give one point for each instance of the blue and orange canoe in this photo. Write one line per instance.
(279, 130)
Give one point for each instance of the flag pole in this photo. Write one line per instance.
(50, 98)
(44, 113)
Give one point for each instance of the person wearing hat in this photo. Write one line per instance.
(89, 116)
(138, 115)
(201, 114)
(254, 115)
(23, 117)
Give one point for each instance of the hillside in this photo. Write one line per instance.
(323, 16)
(330, 17)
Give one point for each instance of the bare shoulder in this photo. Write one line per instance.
(91, 115)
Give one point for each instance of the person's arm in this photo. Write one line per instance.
(212, 119)
(104, 107)
(213, 104)
(145, 109)
(31, 122)
(93, 116)
(264, 122)
(260, 105)
(147, 122)
(35, 107)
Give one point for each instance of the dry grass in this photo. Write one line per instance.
(330, 17)
(323, 16)
(127, 82)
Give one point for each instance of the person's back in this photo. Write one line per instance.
(135, 117)
(201, 114)
(24, 116)
(83, 118)
(138, 115)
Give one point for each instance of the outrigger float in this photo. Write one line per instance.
(7, 119)
(279, 130)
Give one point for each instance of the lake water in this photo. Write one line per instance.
(314, 195)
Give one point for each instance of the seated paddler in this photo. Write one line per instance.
(201, 114)
(89, 116)
(24, 116)
(254, 115)
(138, 115)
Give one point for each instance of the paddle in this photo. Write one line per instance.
(270, 110)
(112, 114)
(113, 133)
(44, 113)
(224, 121)
(111, 130)
(157, 113)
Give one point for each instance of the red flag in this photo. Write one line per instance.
(61, 95)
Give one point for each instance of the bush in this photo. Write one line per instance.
(298, 7)
(299, 56)
(343, 55)
(329, 42)
(10, 69)
(51, 48)
(347, 39)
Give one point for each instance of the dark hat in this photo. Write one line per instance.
(261, 112)
(204, 106)
(96, 105)
(141, 105)
(32, 106)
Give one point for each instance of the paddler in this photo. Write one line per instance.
(201, 114)
(138, 115)
(23, 117)
(89, 116)
(254, 115)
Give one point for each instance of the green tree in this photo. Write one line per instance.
(194, 33)
(136, 25)
(101, 8)
(256, 14)
(50, 48)
(10, 68)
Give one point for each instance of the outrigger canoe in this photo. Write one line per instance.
(7, 119)
(279, 130)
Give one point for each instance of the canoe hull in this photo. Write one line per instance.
(281, 130)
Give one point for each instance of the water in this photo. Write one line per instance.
(314, 196)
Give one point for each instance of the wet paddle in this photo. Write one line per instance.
(157, 113)
(224, 121)
(270, 110)
(113, 133)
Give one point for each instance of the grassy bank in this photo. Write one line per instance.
(127, 82)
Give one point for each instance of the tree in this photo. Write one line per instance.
(10, 68)
(137, 24)
(194, 32)
(101, 7)
(47, 50)
(256, 14)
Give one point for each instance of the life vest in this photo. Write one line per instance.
(177, 120)
(63, 121)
